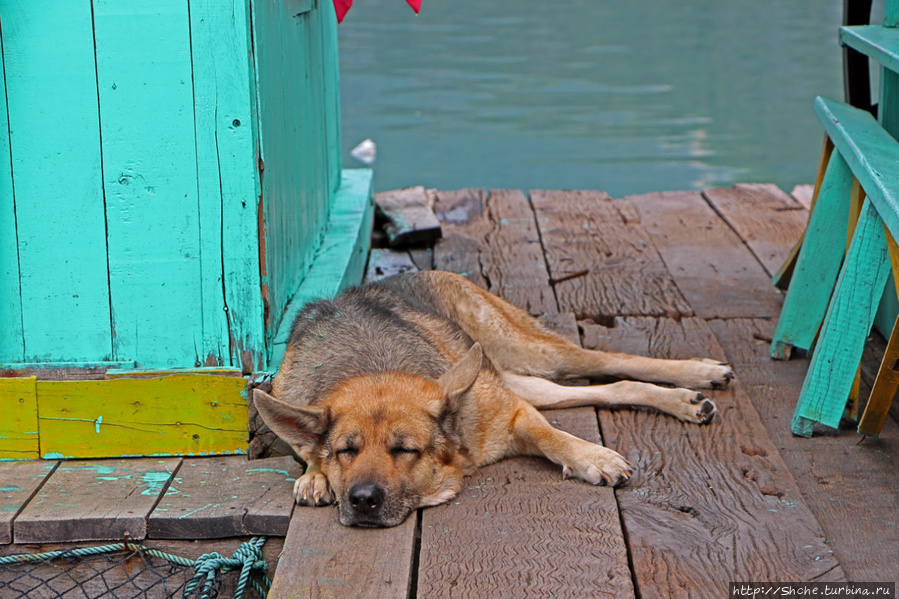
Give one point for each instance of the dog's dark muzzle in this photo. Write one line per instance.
(367, 505)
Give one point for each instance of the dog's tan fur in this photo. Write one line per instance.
(382, 440)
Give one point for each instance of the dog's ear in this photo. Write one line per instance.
(458, 380)
(454, 384)
(298, 425)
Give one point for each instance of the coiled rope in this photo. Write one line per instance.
(247, 558)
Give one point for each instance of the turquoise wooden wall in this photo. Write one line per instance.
(166, 174)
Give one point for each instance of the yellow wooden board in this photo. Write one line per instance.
(18, 419)
(180, 414)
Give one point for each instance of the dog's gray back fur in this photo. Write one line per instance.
(363, 332)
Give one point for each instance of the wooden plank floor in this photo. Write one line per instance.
(672, 275)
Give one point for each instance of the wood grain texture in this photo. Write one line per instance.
(584, 230)
(95, 500)
(150, 181)
(321, 558)
(712, 504)
(54, 137)
(818, 263)
(130, 577)
(196, 414)
(518, 529)
(226, 497)
(717, 274)
(21, 480)
(766, 219)
(804, 194)
(228, 185)
(12, 342)
(846, 325)
(850, 487)
(462, 216)
(19, 426)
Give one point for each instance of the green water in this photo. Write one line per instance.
(626, 97)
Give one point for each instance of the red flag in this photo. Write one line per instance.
(342, 7)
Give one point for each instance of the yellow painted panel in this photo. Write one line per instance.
(18, 424)
(183, 414)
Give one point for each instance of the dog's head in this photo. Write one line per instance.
(387, 443)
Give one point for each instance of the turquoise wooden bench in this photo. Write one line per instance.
(835, 292)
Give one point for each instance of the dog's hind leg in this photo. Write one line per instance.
(684, 404)
(516, 342)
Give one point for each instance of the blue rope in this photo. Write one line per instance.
(247, 558)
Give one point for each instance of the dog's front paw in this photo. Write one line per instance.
(598, 465)
(313, 489)
(691, 406)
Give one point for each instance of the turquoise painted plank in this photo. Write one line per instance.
(331, 71)
(55, 157)
(818, 264)
(224, 113)
(12, 342)
(150, 175)
(341, 260)
(879, 43)
(871, 153)
(846, 326)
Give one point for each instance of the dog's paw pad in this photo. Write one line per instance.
(707, 411)
(313, 489)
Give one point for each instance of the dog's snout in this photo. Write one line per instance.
(366, 499)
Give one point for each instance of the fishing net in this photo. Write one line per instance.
(132, 571)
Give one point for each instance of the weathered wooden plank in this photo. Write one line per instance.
(128, 576)
(711, 504)
(163, 415)
(226, 497)
(587, 231)
(410, 218)
(321, 558)
(383, 263)
(228, 183)
(50, 76)
(879, 43)
(19, 426)
(846, 326)
(767, 219)
(717, 274)
(518, 529)
(95, 501)
(12, 342)
(150, 179)
(516, 267)
(850, 487)
(21, 480)
(818, 263)
(461, 213)
(803, 194)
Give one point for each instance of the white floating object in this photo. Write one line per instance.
(365, 152)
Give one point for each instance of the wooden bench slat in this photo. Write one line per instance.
(879, 43)
(871, 153)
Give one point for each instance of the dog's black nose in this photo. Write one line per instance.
(366, 499)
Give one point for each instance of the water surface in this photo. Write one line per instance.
(626, 97)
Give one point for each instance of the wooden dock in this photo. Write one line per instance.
(674, 274)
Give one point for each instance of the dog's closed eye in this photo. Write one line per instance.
(350, 452)
(399, 451)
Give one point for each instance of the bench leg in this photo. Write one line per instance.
(818, 264)
(846, 326)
